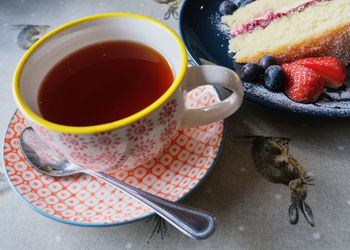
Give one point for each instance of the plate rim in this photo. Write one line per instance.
(85, 224)
(322, 113)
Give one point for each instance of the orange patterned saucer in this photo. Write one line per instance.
(85, 201)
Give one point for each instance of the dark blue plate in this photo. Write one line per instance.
(206, 40)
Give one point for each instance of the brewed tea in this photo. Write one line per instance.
(103, 82)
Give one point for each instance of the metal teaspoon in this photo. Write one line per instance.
(192, 222)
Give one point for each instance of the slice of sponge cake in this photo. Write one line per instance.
(290, 30)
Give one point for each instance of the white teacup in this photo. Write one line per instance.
(136, 139)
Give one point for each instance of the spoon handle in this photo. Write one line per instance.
(192, 222)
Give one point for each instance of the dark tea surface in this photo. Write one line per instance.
(103, 82)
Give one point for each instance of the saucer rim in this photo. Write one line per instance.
(85, 224)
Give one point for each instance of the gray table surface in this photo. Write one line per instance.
(251, 212)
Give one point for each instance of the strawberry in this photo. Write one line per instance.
(302, 84)
(330, 68)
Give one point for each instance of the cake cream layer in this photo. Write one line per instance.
(322, 29)
(258, 9)
(272, 15)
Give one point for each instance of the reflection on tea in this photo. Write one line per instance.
(103, 82)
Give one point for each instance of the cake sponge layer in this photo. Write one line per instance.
(319, 30)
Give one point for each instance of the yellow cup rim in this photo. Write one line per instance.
(107, 126)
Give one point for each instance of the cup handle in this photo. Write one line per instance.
(217, 76)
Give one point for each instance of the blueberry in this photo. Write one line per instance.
(245, 2)
(227, 7)
(274, 77)
(251, 72)
(267, 61)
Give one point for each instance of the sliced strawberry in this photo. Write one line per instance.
(302, 84)
(330, 68)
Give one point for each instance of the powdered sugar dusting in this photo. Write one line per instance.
(331, 102)
(215, 20)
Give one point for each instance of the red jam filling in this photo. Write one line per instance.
(265, 20)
